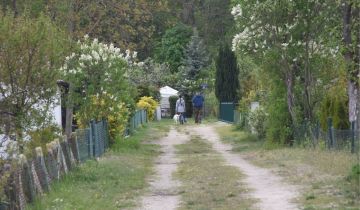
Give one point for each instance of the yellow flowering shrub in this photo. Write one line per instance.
(105, 107)
(118, 120)
(149, 104)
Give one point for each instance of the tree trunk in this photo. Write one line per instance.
(352, 59)
(71, 24)
(308, 108)
(357, 63)
(353, 93)
(188, 13)
(14, 5)
(289, 80)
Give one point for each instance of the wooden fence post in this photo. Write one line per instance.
(41, 169)
(27, 180)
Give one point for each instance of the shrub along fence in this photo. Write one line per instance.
(33, 177)
(313, 136)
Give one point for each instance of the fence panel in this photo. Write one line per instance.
(226, 111)
(333, 139)
(84, 144)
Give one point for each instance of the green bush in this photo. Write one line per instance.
(211, 105)
(334, 105)
(257, 120)
(148, 91)
(278, 123)
(40, 137)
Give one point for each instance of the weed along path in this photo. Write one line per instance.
(163, 188)
(270, 191)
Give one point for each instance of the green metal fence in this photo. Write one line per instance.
(139, 118)
(93, 141)
(226, 111)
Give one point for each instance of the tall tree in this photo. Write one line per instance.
(214, 22)
(196, 57)
(128, 24)
(227, 83)
(351, 40)
(298, 33)
(185, 10)
(31, 52)
(171, 49)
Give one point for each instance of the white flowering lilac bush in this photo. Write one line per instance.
(99, 83)
(287, 25)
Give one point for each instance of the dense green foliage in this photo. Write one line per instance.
(162, 32)
(196, 58)
(297, 62)
(289, 53)
(215, 23)
(171, 49)
(31, 52)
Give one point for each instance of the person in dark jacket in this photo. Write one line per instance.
(198, 102)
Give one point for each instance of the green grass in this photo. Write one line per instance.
(207, 183)
(113, 182)
(241, 141)
(322, 174)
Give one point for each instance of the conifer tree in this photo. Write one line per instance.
(196, 57)
(227, 82)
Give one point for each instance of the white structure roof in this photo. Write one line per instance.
(165, 93)
(168, 91)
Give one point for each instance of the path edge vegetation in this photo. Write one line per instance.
(326, 179)
(113, 181)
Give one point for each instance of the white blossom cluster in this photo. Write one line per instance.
(240, 38)
(236, 11)
(93, 53)
(259, 33)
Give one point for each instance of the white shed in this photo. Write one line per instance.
(165, 93)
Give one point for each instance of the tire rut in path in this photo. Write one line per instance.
(163, 189)
(268, 188)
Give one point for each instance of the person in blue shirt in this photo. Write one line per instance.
(198, 102)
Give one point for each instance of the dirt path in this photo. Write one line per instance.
(268, 188)
(163, 190)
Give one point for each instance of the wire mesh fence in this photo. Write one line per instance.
(312, 135)
(29, 178)
(334, 139)
(139, 118)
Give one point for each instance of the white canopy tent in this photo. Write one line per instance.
(165, 93)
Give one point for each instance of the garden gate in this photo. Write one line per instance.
(226, 111)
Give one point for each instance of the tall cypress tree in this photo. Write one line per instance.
(227, 83)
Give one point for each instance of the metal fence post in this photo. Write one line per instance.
(106, 132)
(91, 140)
(330, 133)
(334, 143)
(353, 137)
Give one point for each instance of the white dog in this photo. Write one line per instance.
(176, 118)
